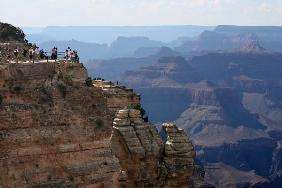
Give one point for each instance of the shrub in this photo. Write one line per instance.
(17, 89)
(99, 123)
(44, 94)
(68, 79)
(88, 82)
(10, 33)
(13, 87)
(71, 178)
(63, 89)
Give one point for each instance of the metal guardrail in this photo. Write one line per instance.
(8, 54)
(60, 56)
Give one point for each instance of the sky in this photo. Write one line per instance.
(140, 12)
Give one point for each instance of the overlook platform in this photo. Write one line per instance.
(41, 70)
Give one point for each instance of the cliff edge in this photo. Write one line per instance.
(60, 129)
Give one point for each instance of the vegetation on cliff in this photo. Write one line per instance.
(10, 33)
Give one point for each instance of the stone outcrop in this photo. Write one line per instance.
(160, 163)
(118, 97)
(138, 146)
(58, 131)
(179, 155)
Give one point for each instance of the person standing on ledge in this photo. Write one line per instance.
(53, 53)
(36, 52)
(16, 54)
(76, 57)
(31, 54)
(66, 54)
(24, 53)
(56, 54)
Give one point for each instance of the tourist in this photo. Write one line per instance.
(70, 53)
(76, 57)
(31, 55)
(53, 53)
(36, 51)
(24, 53)
(56, 53)
(9, 54)
(16, 54)
(66, 54)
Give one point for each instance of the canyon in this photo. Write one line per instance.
(230, 105)
(58, 131)
(221, 91)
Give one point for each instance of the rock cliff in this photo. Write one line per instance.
(56, 130)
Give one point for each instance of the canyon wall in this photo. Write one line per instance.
(56, 130)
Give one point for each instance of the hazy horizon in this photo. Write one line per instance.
(42, 13)
(149, 25)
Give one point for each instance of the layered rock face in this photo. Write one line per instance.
(167, 71)
(118, 97)
(179, 154)
(55, 131)
(58, 131)
(167, 163)
(138, 146)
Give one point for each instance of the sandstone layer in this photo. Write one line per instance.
(58, 131)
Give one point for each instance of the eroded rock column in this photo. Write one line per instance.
(146, 160)
(178, 156)
(137, 146)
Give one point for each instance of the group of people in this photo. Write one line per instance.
(33, 53)
(71, 55)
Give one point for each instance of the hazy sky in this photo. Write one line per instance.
(141, 12)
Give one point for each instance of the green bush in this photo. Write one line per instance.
(44, 94)
(99, 123)
(10, 33)
(68, 79)
(63, 89)
(71, 178)
(17, 89)
(88, 82)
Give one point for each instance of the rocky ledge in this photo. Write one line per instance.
(57, 129)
